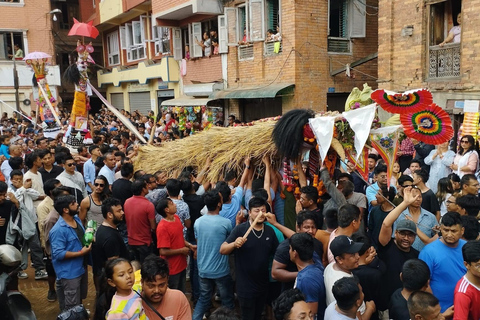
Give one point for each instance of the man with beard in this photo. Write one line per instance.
(108, 241)
(395, 251)
(252, 259)
(170, 303)
(445, 260)
(68, 254)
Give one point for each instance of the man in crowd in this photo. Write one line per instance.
(469, 185)
(381, 181)
(68, 254)
(174, 187)
(429, 199)
(73, 179)
(467, 204)
(15, 151)
(444, 258)
(414, 166)
(291, 305)
(49, 170)
(122, 188)
(467, 292)
(108, 170)
(423, 305)
(89, 167)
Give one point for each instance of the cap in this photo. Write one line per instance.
(407, 225)
(29, 130)
(343, 244)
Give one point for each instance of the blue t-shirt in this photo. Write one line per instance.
(211, 231)
(310, 283)
(230, 210)
(4, 151)
(446, 268)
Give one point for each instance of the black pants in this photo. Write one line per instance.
(141, 252)
(252, 308)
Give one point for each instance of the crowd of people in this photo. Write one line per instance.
(404, 248)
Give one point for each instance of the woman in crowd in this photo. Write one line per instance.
(439, 160)
(466, 160)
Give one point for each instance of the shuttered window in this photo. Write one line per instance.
(116, 100)
(140, 101)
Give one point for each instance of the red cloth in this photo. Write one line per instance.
(138, 212)
(466, 300)
(170, 236)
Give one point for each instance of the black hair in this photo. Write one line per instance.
(331, 219)
(147, 177)
(16, 173)
(404, 178)
(224, 190)
(138, 174)
(224, 313)
(311, 193)
(110, 265)
(347, 213)
(154, 266)
(211, 199)
(120, 154)
(388, 193)
(39, 140)
(283, 305)
(471, 140)
(49, 185)
(72, 74)
(230, 175)
(414, 161)
(15, 162)
(106, 188)
(108, 204)
(42, 153)
(347, 187)
(470, 203)
(63, 202)
(3, 187)
(423, 174)
(162, 205)
(304, 215)
(419, 302)
(362, 238)
(126, 169)
(380, 169)
(415, 274)
(346, 291)
(466, 179)
(257, 202)
(450, 219)
(454, 177)
(261, 193)
(471, 226)
(345, 175)
(30, 159)
(373, 156)
(187, 185)
(93, 147)
(173, 187)
(60, 157)
(303, 244)
(60, 191)
(471, 251)
(138, 186)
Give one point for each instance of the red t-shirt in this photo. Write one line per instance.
(466, 303)
(170, 236)
(138, 212)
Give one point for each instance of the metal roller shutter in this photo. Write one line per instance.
(140, 101)
(117, 100)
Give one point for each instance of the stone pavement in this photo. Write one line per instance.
(36, 291)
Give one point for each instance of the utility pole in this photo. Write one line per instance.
(15, 75)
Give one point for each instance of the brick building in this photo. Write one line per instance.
(410, 55)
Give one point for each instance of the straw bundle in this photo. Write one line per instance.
(227, 148)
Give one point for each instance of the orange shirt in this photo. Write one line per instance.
(174, 305)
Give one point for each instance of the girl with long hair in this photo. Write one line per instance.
(444, 191)
(466, 160)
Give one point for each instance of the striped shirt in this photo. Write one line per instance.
(466, 300)
(126, 308)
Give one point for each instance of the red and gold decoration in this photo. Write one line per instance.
(411, 101)
(361, 164)
(385, 141)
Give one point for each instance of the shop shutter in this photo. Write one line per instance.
(117, 100)
(140, 101)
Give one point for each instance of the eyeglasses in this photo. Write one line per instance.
(70, 164)
(451, 202)
(99, 185)
(464, 141)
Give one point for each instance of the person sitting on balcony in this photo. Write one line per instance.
(455, 33)
(270, 36)
(206, 44)
(18, 52)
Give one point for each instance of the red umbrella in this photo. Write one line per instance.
(83, 29)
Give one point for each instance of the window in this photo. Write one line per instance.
(161, 38)
(273, 15)
(113, 49)
(346, 20)
(6, 51)
(196, 30)
(132, 39)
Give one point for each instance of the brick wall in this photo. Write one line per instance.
(162, 5)
(204, 70)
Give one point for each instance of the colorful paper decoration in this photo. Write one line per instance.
(385, 141)
(431, 125)
(410, 101)
(360, 161)
(470, 124)
(322, 127)
(360, 121)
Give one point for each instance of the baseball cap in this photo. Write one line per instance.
(29, 130)
(407, 225)
(343, 244)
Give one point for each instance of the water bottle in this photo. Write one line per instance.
(89, 233)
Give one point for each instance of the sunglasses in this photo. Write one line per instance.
(99, 185)
(70, 164)
(464, 141)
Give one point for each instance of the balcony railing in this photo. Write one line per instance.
(245, 52)
(444, 62)
(270, 48)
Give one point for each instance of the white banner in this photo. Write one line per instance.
(360, 121)
(322, 127)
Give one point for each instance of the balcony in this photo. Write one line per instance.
(444, 62)
(110, 9)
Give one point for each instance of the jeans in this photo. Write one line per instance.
(177, 281)
(194, 278)
(225, 287)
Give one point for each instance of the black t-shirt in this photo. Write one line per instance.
(5, 212)
(319, 214)
(394, 259)
(195, 205)
(122, 190)
(430, 202)
(108, 243)
(283, 256)
(252, 260)
(56, 170)
(398, 309)
(370, 277)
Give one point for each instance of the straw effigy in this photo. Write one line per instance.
(226, 147)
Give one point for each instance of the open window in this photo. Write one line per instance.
(161, 39)
(132, 39)
(346, 20)
(6, 50)
(113, 49)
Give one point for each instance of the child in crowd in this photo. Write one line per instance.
(120, 275)
(5, 143)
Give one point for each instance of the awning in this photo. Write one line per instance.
(269, 91)
(186, 101)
